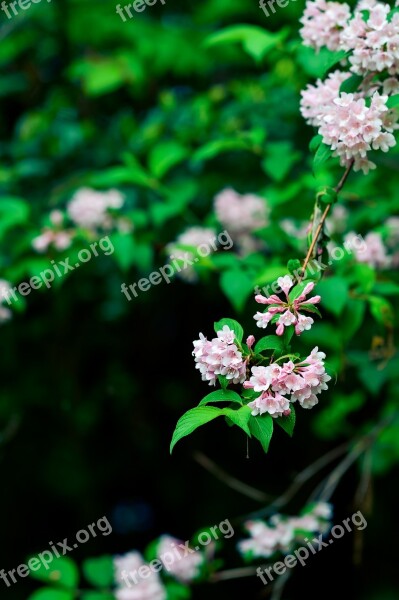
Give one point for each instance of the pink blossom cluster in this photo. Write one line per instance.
(370, 34)
(55, 236)
(287, 312)
(242, 214)
(184, 568)
(193, 237)
(354, 124)
(323, 23)
(220, 356)
(373, 252)
(347, 124)
(89, 208)
(149, 587)
(279, 385)
(282, 532)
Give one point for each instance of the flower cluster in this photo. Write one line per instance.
(220, 356)
(186, 568)
(354, 124)
(138, 580)
(370, 34)
(282, 532)
(300, 381)
(193, 237)
(241, 214)
(55, 235)
(148, 588)
(373, 253)
(287, 312)
(347, 123)
(89, 208)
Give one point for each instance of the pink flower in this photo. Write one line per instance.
(220, 356)
(185, 567)
(250, 341)
(290, 309)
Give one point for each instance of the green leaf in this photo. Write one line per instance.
(216, 147)
(52, 594)
(233, 325)
(164, 156)
(221, 396)
(382, 310)
(124, 249)
(177, 591)
(311, 308)
(352, 317)
(297, 290)
(193, 419)
(287, 335)
(270, 342)
(334, 294)
(315, 142)
(323, 153)
(332, 59)
(237, 286)
(13, 212)
(255, 40)
(288, 423)
(393, 101)
(261, 427)
(294, 265)
(351, 85)
(279, 160)
(224, 382)
(201, 415)
(99, 571)
(240, 417)
(62, 571)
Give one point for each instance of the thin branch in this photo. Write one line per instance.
(233, 574)
(300, 479)
(279, 586)
(337, 189)
(229, 480)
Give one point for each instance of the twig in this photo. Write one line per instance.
(229, 480)
(300, 479)
(279, 586)
(337, 189)
(233, 574)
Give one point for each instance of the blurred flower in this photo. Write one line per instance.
(241, 215)
(89, 208)
(193, 238)
(132, 586)
(281, 533)
(373, 252)
(5, 289)
(186, 568)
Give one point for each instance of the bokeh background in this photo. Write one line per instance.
(92, 385)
